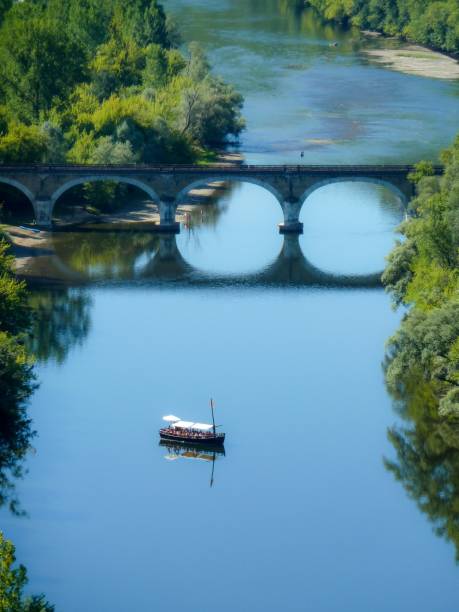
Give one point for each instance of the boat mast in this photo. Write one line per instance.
(213, 466)
(212, 409)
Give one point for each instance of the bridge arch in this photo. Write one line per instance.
(93, 178)
(22, 188)
(23, 210)
(237, 178)
(395, 189)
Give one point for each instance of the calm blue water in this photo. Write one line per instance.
(302, 514)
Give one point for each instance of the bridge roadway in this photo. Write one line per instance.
(168, 185)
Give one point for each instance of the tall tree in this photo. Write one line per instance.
(39, 62)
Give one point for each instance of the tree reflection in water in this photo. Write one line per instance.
(16, 434)
(61, 321)
(104, 254)
(427, 462)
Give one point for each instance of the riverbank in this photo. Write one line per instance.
(412, 58)
(32, 253)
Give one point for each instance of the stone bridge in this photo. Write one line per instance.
(168, 185)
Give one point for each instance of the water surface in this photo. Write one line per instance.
(288, 337)
(304, 95)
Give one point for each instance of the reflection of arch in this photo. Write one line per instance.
(356, 179)
(98, 178)
(18, 186)
(227, 179)
(289, 268)
(168, 263)
(292, 267)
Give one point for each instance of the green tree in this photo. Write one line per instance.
(119, 63)
(12, 583)
(14, 310)
(429, 22)
(100, 82)
(144, 21)
(39, 62)
(16, 374)
(23, 144)
(5, 6)
(423, 273)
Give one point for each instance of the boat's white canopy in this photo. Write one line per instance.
(170, 418)
(202, 426)
(191, 425)
(184, 424)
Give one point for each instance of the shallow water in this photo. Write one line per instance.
(288, 337)
(304, 95)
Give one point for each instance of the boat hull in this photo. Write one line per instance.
(208, 442)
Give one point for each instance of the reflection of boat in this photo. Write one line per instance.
(203, 453)
(195, 434)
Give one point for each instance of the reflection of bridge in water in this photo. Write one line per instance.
(166, 264)
(289, 268)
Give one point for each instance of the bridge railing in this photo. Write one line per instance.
(205, 169)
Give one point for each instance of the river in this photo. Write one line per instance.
(300, 513)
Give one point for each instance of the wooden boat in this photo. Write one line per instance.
(188, 432)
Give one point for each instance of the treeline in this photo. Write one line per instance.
(422, 363)
(102, 81)
(423, 273)
(434, 23)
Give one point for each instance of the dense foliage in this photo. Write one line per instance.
(430, 22)
(423, 272)
(12, 583)
(102, 81)
(422, 364)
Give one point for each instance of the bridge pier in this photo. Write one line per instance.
(291, 249)
(291, 209)
(43, 212)
(167, 222)
(167, 247)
